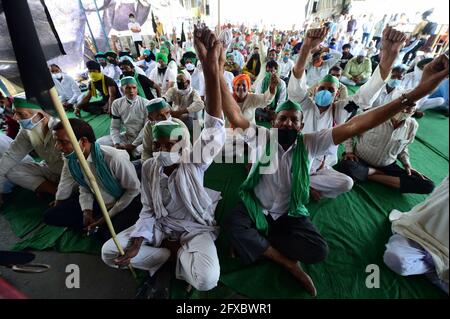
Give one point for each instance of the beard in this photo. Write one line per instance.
(162, 71)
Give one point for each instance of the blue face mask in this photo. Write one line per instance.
(73, 155)
(393, 83)
(28, 124)
(285, 59)
(324, 98)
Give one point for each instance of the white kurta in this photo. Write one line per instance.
(197, 261)
(315, 74)
(164, 79)
(31, 175)
(112, 71)
(68, 90)
(198, 82)
(283, 92)
(427, 224)
(123, 170)
(131, 117)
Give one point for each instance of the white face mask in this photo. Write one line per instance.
(190, 67)
(57, 76)
(184, 92)
(167, 159)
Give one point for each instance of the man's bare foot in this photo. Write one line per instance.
(315, 194)
(297, 271)
(77, 112)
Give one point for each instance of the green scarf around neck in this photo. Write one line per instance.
(299, 187)
(265, 87)
(141, 92)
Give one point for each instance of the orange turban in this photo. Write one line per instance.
(242, 77)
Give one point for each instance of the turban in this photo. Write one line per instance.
(146, 52)
(242, 77)
(100, 55)
(330, 79)
(162, 56)
(111, 54)
(289, 105)
(156, 105)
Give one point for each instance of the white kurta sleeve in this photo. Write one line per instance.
(125, 173)
(86, 199)
(16, 152)
(116, 123)
(368, 93)
(76, 92)
(297, 88)
(66, 184)
(146, 222)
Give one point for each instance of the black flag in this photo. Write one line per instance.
(183, 35)
(31, 61)
(155, 26)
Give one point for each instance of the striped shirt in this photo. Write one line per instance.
(384, 144)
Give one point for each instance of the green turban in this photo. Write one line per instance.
(128, 80)
(164, 50)
(111, 54)
(289, 105)
(165, 129)
(25, 104)
(156, 105)
(162, 56)
(330, 79)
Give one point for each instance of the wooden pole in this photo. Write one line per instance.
(84, 165)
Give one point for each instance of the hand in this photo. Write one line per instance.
(88, 219)
(314, 37)
(435, 71)
(208, 48)
(350, 157)
(315, 194)
(177, 114)
(129, 148)
(273, 83)
(94, 224)
(412, 171)
(130, 252)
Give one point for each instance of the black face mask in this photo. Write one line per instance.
(113, 62)
(148, 59)
(128, 73)
(287, 137)
(181, 86)
(162, 71)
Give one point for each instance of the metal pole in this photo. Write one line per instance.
(219, 24)
(89, 26)
(102, 26)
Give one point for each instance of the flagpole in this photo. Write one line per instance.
(39, 85)
(102, 26)
(89, 27)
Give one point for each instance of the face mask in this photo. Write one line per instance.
(73, 155)
(285, 59)
(184, 92)
(394, 83)
(132, 19)
(28, 124)
(57, 76)
(190, 67)
(324, 98)
(402, 116)
(318, 63)
(148, 59)
(287, 137)
(167, 159)
(95, 76)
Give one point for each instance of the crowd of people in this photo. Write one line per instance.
(299, 82)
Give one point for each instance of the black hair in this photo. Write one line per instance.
(272, 64)
(80, 128)
(131, 15)
(272, 50)
(346, 46)
(335, 68)
(126, 62)
(54, 66)
(399, 69)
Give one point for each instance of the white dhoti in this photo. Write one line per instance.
(31, 175)
(197, 262)
(107, 141)
(330, 183)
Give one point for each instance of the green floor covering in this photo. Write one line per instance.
(355, 225)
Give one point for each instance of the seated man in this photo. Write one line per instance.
(358, 70)
(148, 62)
(420, 241)
(375, 154)
(130, 113)
(392, 87)
(146, 87)
(116, 178)
(68, 90)
(35, 135)
(99, 86)
(273, 223)
(187, 105)
(112, 69)
(232, 66)
(280, 95)
(178, 211)
(158, 110)
(342, 94)
(317, 67)
(162, 75)
(7, 122)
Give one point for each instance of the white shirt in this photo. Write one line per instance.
(315, 74)
(147, 67)
(148, 226)
(198, 81)
(253, 102)
(274, 201)
(27, 141)
(112, 71)
(384, 97)
(229, 77)
(123, 170)
(164, 79)
(130, 116)
(286, 68)
(383, 145)
(68, 89)
(192, 102)
(135, 35)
